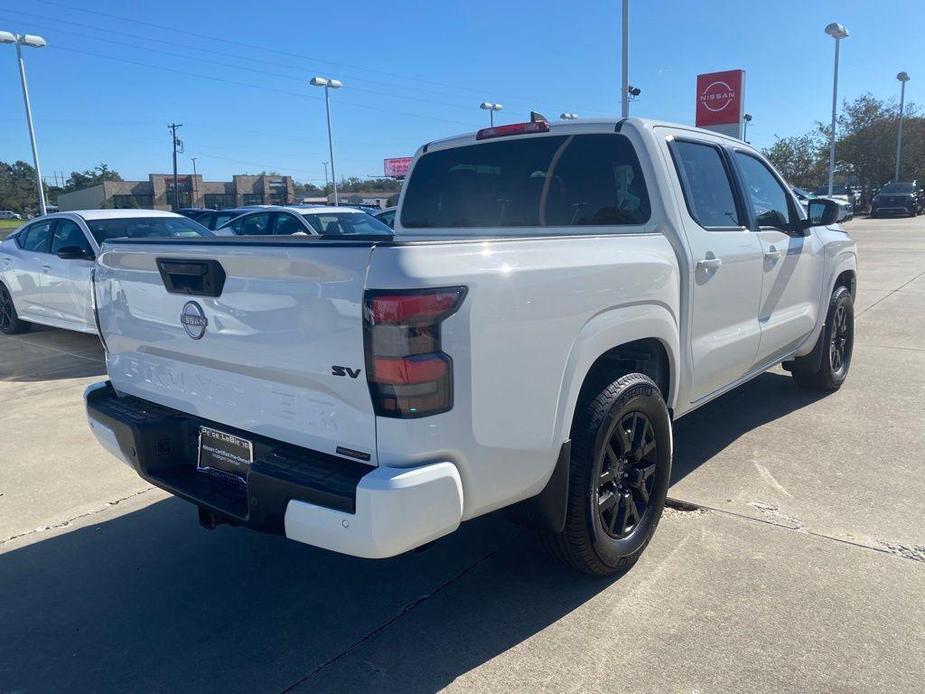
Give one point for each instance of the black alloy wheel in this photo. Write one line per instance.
(627, 462)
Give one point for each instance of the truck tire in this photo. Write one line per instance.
(10, 324)
(828, 370)
(618, 477)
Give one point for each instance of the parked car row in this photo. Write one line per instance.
(845, 208)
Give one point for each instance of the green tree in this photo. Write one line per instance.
(17, 187)
(91, 177)
(800, 158)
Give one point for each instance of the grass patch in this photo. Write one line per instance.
(10, 224)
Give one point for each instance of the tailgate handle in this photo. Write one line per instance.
(192, 277)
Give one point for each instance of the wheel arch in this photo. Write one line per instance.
(640, 338)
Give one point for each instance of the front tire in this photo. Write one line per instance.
(618, 477)
(10, 323)
(836, 343)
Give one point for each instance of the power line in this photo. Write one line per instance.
(175, 30)
(524, 102)
(260, 86)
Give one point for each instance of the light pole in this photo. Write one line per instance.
(193, 202)
(903, 77)
(491, 108)
(325, 165)
(568, 116)
(625, 84)
(329, 84)
(838, 32)
(33, 41)
(747, 118)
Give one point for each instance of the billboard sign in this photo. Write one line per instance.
(397, 167)
(721, 101)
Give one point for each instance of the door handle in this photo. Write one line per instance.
(772, 254)
(708, 264)
(46, 268)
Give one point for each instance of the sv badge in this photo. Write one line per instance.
(344, 371)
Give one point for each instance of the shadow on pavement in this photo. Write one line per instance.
(48, 354)
(708, 430)
(149, 601)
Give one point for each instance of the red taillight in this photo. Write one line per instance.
(405, 308)
(409, 370)
(539, 126)
(408, 374)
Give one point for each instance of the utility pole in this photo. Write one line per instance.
(625, 90)
(325, 164)
(176, 190)
(195, 196)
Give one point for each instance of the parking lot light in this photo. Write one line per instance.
(838, 32)
(33, 41)
(491, 108)
(903, 77)
(328, 83)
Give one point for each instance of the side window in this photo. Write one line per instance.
(769, 199)
(252, 224)
(706, 185)
(287, 224)
(36, 237)
(67, 233)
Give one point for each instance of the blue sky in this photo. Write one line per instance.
(235, 73)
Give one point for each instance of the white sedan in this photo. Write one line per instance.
(45, 264)
(304, 221)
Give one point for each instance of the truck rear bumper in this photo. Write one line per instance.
(322, 500)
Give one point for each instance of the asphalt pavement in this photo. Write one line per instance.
(793, 559)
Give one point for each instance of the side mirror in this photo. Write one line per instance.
(821, 212)
(75, 253)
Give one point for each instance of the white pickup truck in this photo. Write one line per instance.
(554, 295)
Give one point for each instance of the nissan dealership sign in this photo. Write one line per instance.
(721, 101)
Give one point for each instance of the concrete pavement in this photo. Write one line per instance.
(802, 569)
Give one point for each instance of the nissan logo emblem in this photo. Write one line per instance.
(194, 321)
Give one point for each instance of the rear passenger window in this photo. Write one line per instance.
(35, 238)
(287, 224)
(252, 224)
(547, 181)
(706, 185)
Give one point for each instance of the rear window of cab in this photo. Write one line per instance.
(541, 182)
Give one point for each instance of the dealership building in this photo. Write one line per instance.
(158, 193)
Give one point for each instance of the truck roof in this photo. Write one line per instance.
(586, 125)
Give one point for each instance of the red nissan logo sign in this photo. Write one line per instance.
(719, 97)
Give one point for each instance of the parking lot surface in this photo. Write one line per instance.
(794, 558)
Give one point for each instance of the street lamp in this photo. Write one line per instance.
(491, 108)
(329, 84)
(903, 77)
(838, 32)
(747, 118)
(568, 116)
(33, 42)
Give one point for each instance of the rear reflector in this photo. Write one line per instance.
(539, 126)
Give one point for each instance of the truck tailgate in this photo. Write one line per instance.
(278, 351)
